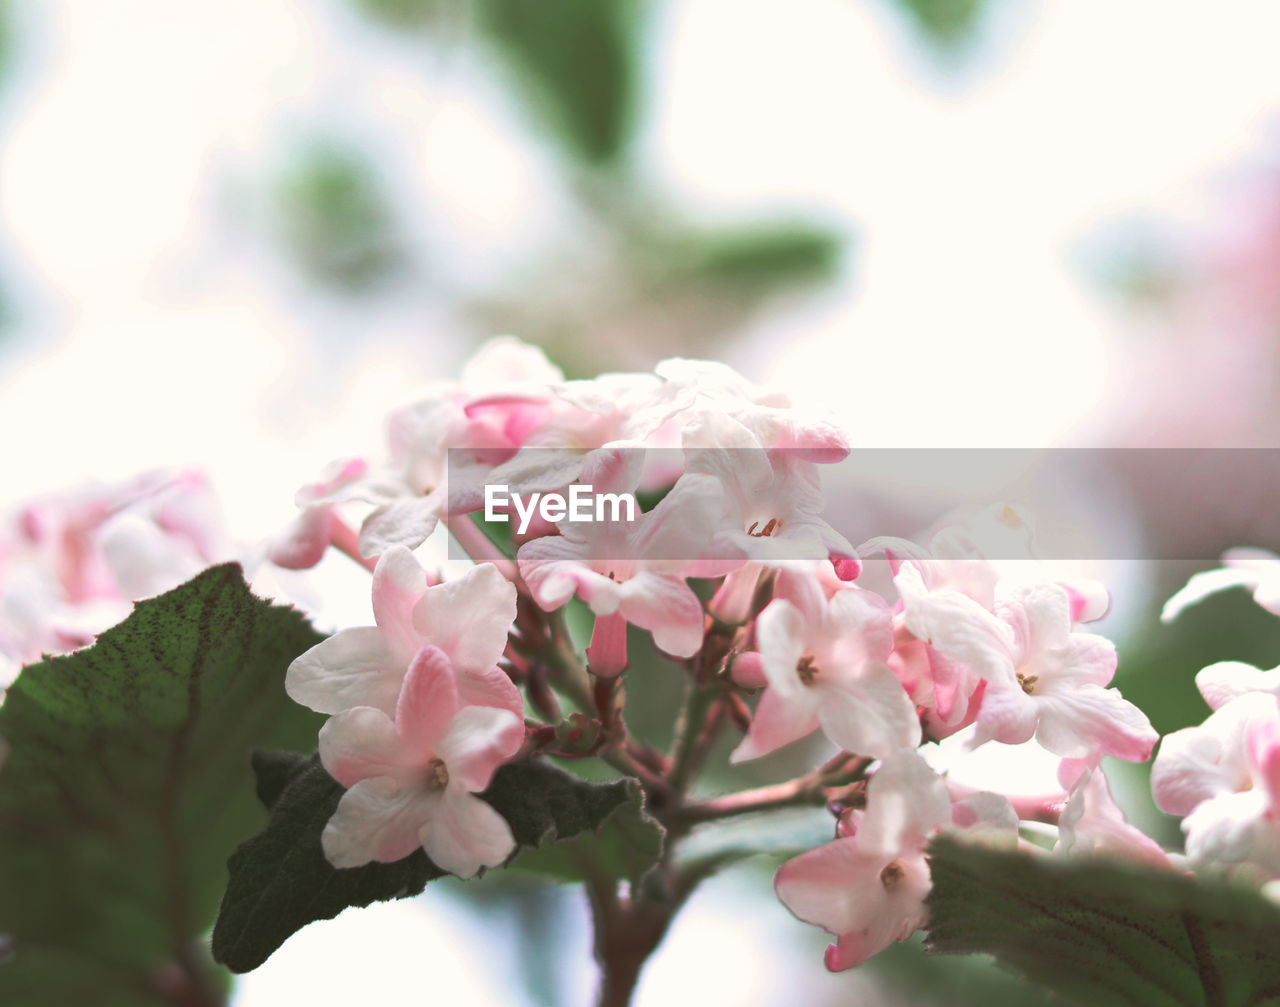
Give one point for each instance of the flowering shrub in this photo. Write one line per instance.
(447, 720)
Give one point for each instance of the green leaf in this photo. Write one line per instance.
(280, 880)
(1104, 932)
(128, 783)
(577, 63)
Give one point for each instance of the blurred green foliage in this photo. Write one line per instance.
(754, 260)
(576, 65)
(404, 14)
(335, 219)
(944, 22)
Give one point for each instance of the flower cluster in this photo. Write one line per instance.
(1224, 775)
(735, 574)
(71, 564)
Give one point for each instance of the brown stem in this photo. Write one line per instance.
(810, 789)
(627, 931)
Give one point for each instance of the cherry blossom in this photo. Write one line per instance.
(631, 571)
(1092, 823)
(1041, 677)
(71, 563)
(824, 659)
(1222, 682)
(1255, 569)
(466, 620)
(1224, 776)
(411, 778)
(868, 886)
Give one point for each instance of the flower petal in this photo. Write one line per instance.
(778, 720)
(354, 667)
(469, 618)
(377, 819)
(464, 834)
(479, 740)
(362, 743)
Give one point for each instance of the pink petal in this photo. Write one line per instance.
(399, 583)
(778, 720)
(870, 715)
(668, 608)
(362, 743)
(465, 834)
(1222, 682)
(428, 700)
(303, 543)
(1075, 723)
(1007, 715)
(781, 635)
(405, 522)
(376, 819)
(479, 740)
(354, 667)
(469, 618)
(490, 688)
(906, 803)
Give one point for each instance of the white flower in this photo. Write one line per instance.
(411, 780)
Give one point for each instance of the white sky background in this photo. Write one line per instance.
(152, 331)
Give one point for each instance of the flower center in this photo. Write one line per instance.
(774, 525)
(1028, 683)
(893, 874)
(437, 775)
(806, 669)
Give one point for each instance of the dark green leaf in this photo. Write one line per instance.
(128, 783)
(1104, 932)
(280, 880)
(577, 65)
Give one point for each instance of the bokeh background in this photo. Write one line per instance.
(234, 234)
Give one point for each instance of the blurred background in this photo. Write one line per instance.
(234, 234)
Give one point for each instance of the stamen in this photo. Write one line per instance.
(437, 775)
(806, 669)
(892, 874)
(1028, 683)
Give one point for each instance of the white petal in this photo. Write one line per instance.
(870, 715)
(354, 667)
(376, 819)
(464, 834)
(362, 743)
(469, 618)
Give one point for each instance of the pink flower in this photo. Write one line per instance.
(504, 394)
(1222, 682)
(1224, 776)
(466, 620)
(773, 497)
(1255, 569)
(868, 887)
(1093, 824)
(1042, 678)
(411, 779)
(824, 659)
(71, 563)
(634, 570)
(1052, 685)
